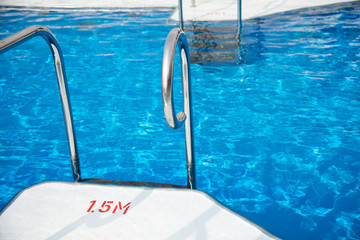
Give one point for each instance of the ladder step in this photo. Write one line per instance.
(205, 57)
(211, 35)
(211, 29)
(218, 45)
(213, 44)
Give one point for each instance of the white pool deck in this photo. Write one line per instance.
(204, 10)
(63, 210)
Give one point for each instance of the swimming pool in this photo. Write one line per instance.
(276, 137)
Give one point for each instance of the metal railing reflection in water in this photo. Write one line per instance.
(175, 38)
(33, 31)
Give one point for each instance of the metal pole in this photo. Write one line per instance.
(174, 37)
(181, 15)
(239, 19)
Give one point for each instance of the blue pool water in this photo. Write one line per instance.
(277, 136)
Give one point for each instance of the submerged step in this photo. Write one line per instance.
(214, 57)
(211, 35)
(213, 44)
(211, 29)
(61, 210)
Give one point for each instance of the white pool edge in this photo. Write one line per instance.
(204, 10)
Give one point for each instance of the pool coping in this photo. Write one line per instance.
(204, 10)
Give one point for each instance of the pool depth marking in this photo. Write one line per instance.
(106, 206)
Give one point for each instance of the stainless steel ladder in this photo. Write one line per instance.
(181, 20)
(33, 31)
(175, 38)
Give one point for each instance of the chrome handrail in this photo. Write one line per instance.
(36, 30)
(175, 38)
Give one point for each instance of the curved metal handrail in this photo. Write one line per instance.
(36, 30)
(177, 37)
